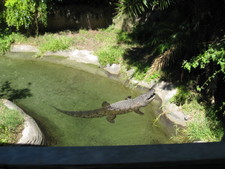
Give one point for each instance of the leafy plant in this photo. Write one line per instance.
(135, 8)
(5, 41)
(25, 13)
(214, 54)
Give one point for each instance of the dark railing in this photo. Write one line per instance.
(210, 155)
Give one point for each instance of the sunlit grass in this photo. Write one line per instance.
(10, 124)
(110, 55)
(203, 125)
(51, 42)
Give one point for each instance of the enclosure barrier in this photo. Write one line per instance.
(195, 155)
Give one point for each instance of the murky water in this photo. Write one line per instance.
(73, 89)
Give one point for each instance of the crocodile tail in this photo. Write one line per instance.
(83, 114)
(71, 113)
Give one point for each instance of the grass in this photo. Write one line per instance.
(110, 55)
(202, 127)
(10, 124)
(53, 43)
(102, 42)
(203, 124)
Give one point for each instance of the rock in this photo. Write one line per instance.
(166, 91)
(23, 48)
(113, 69)
(84, 56)
(130, 72)
(31, 134)
(175, 115)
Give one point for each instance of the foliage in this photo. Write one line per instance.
(10, 121)
(214, 54)
(124, 37)
(19, 38)
(139, 74)
(7, 38)
(25, 13)
(132, 7)
(135, 8)
(18, 13)
(53, 43)
(184, 95)
(154, 76)
(5, 41)
(203, 126)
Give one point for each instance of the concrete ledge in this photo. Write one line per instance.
(31, 134)
(83, 56)
(173, 156)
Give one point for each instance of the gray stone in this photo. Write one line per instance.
(23, 48)
(113, 69)
(83, 56)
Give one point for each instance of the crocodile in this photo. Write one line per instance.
(120, 107)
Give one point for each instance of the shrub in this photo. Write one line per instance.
(5, 41)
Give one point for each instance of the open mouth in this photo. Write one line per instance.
(151, 97)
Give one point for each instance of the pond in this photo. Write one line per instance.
(68, 87)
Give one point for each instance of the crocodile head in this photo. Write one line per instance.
(147, 97)
(150, 95)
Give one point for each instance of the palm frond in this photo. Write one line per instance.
(135, 8)
(162, 61)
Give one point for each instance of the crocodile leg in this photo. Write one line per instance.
(110, 118)
(105, 104)
(128, 97)
(138, 112)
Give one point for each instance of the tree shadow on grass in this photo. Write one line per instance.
(8, 92)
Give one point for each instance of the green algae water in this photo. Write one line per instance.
(73, 89)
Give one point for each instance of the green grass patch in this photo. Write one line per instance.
(140, 73)
(5, 43)
(10, 124)
(19, 38)
(203, 124)
(54, 43)
(110, 55)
